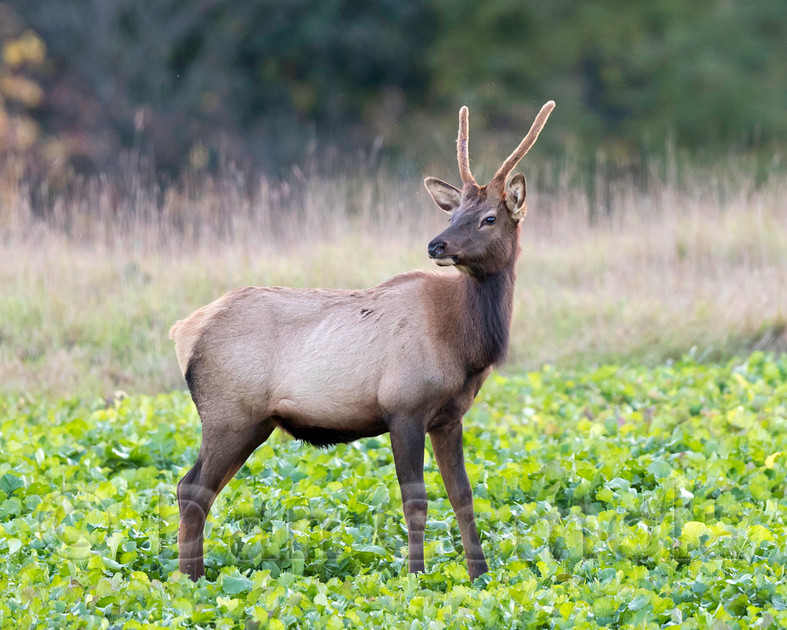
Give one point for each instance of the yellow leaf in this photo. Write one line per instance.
(28, 48)
(771, 459)
(758, 533)
(693, 531)
(741, 381)
(228, 603)
(21, 89)
(566, 609)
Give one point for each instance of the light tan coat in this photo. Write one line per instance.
(324, 358)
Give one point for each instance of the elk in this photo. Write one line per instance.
(406, 357)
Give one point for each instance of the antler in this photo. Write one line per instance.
(524, 146)
(461, 148)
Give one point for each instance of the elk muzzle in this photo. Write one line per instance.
(437, 251)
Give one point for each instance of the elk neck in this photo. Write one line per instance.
(486, 305)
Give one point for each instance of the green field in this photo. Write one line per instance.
(607, 497)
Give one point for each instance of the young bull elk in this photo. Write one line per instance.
(406, 357)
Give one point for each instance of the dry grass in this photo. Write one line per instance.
(88, 293)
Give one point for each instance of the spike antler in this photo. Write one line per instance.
(461, 148)
(529, 140)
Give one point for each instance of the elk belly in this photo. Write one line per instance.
(330, 378)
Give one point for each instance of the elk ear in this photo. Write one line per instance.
(444, 195)
(515, 197)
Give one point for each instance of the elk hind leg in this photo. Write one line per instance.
(222, 453)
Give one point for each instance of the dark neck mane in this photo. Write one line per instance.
(488, 307)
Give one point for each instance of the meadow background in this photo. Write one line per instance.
(683, 267)
(628, 460)
(154, 155)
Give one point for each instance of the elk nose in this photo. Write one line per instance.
(436, 249)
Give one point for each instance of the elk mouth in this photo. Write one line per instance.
(445, 261)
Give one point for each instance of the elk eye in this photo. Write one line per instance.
(489, 221)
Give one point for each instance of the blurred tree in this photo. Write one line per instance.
(626, 75)
(22, 59)
(193, 81)
(237, 76)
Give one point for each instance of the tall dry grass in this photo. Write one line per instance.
(94, 271)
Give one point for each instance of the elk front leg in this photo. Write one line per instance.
(407, 442)
(447, 447)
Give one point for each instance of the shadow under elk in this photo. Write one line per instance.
(328, 366)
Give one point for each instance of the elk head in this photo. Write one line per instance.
(482, 237)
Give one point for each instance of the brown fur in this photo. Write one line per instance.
(406, 357)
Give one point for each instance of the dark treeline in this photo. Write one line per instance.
(192, 82)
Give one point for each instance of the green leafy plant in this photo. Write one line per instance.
(618, 496)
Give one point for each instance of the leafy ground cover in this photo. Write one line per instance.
(617, 496)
